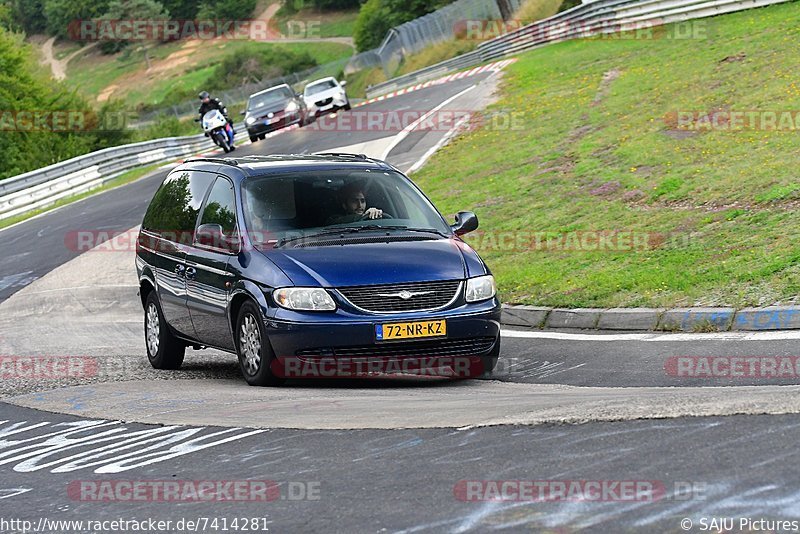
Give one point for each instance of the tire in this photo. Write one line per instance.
(488, 363)
(253, 349)
(347, 106)
(262, 136)
(222, 141)
(164, 350)
(253, 138)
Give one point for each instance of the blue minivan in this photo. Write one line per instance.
(327, 265)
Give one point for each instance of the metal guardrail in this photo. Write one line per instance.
(597, 17)
(43, 187)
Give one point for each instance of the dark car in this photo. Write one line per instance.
(273, 109)
(314, 265)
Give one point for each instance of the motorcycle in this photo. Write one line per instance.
(216, 126)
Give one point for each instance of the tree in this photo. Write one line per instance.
(63, 15)
(148, 10)
(227, 9)
(23, 92)
(377, 17)
(182, 9)
(28, 15)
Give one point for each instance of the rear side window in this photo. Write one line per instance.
(175, 206)
(221, 207)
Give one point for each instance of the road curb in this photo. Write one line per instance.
(695, 319)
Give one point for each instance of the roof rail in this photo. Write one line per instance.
(226, 161)
(342, 155)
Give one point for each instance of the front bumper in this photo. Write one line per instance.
(283, 120)
(347, 347)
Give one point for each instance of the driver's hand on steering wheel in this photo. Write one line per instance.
(372, 213)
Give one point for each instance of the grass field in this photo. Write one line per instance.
(318, 23)
(596, 148)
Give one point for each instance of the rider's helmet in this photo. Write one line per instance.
(204, 95)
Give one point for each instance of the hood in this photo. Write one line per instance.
(269, 108)
(371, 263)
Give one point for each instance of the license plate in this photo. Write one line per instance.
(272, 120)
(417, 329)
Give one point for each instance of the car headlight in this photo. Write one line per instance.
(304, 299)
(250, 120)
(291, 107)
(481, 288)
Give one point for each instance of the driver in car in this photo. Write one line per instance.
(354, 206)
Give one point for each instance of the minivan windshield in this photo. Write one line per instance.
(274, 96)
(302, 204)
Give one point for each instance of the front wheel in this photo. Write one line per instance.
(164, 350)
(222, 141)
(488, 363)
(252, 348)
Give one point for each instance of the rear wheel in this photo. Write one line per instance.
(253, 349)
(262, 136)
(253, 138)
(164, 350)
(347, 106)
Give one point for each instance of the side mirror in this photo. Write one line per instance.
(242, 113)
(211, 235)
(197, 119)
(342, 82)
(466, 222)
(298, 95)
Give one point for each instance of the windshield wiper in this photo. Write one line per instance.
(341, 230)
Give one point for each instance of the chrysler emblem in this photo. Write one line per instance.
(405, 295)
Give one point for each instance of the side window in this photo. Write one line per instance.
(221, 207)
(175, 206)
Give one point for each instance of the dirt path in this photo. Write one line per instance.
(59, 66)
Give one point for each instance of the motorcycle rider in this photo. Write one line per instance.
(207, 104)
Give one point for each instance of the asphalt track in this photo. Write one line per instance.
(384, 455)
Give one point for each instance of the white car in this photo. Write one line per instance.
(325, 96)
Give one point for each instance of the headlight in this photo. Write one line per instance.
(250, 120)
(304, 299)
(481, 288)
(291, 107)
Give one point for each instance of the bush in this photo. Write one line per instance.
(249, 65)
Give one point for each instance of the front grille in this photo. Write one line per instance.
(386, 298)
(325, 102)
(407, 349)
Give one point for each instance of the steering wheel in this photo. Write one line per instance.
(383, 216)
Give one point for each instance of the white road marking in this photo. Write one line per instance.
(410, 128)
(778, 335)
(432, 150)
(12, 492)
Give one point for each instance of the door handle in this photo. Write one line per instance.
(180, 270)
(191, 272)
